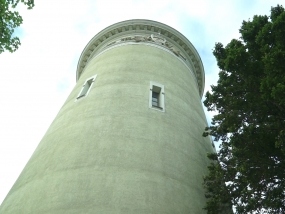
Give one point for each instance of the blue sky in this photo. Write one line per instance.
(36, 80)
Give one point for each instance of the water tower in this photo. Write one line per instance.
(128, 139)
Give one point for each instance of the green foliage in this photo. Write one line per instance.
(9, 20)
(248, 171)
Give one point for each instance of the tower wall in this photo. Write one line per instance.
(109, 151)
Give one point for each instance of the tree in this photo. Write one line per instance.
(9, 20)
(248, 171)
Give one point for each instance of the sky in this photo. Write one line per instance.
(37, 78)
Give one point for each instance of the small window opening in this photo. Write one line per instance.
(86, 87)
(155, 99)
(156, 96)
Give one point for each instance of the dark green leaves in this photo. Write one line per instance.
(249, 99)
(9, 20)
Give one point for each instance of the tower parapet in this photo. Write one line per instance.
(150, 33)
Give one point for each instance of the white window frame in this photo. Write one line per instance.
(86, 87)
(158, 88)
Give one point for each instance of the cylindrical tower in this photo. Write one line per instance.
(129, 137)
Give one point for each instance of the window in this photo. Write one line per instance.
(155, 99)
(86, 87)
(156, 96)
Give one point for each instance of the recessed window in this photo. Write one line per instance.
(86, 87)
(156, 96)
(155, 99)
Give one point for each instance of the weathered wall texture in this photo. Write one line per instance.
(109, 152)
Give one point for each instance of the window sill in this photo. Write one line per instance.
(157, 107)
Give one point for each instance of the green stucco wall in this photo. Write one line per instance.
(110, 153)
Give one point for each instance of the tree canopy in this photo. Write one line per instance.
(9, 20)
(248, 171)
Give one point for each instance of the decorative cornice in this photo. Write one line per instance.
(145, 31)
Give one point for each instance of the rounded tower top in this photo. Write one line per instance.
(145, 31)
